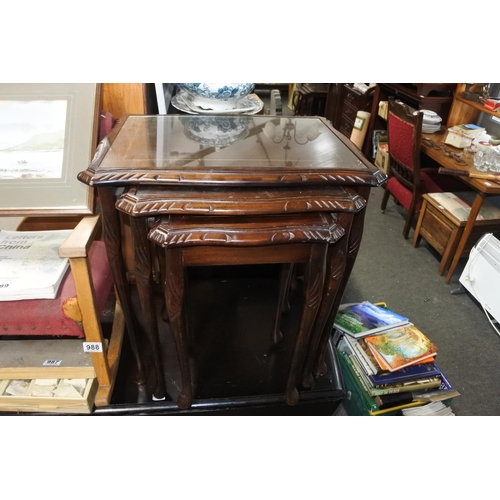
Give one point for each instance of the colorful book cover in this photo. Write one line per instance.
(364, 318)
(402, 346)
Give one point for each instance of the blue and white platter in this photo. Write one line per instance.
(248, 105)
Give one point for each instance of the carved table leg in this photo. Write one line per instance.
(335, 266)
(112, 240)
(174, 298)
(144, 280)
(314, 276)
(354, 243)
(285, 274)
(161, 262)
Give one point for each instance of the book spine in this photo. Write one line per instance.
(382, 391)
(362, 377)
(345, 362)
(445, 384)
(423, 370)
(361, 356)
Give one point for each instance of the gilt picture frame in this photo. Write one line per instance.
(48, 134)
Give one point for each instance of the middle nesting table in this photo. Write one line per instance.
(228, 226)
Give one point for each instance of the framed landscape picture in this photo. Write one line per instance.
(48, 134)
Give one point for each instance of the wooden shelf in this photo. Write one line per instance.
(477, 106)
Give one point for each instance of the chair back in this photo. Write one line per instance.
(404, 136)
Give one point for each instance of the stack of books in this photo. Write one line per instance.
(387, 363)
(468, 129)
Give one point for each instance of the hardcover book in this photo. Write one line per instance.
(401, 347)
(363, 319)
(411, 372)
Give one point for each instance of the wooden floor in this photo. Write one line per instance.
(235, 368)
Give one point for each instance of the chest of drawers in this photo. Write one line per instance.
(352, 101)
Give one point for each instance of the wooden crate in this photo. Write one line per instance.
(30, 402)
(47, 358)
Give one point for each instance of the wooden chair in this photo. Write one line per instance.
(76, 310)
(407, 180)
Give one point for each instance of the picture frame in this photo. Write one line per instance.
(48, 134)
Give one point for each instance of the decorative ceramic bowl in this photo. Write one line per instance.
(217, 96)
(215, 131)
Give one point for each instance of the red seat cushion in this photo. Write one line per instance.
(401, 193)
(47, 316)
(434, 182)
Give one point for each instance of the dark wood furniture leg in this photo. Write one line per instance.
(335, 266)
(144, 281)
(314, 276)
(174, 298)
(476, 206)
(112, 240)
(354, 238)
(285, 273)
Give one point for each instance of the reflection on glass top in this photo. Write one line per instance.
(227, 142)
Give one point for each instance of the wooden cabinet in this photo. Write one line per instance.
(436, 97)
(343, 103)
(122, 99)
(351, 101)
(464, 111)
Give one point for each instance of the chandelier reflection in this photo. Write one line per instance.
(303, 132)
(288, 129)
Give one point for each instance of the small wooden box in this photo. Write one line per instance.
(382, 160)
(57, 359)
(442, 230)
(53, 404)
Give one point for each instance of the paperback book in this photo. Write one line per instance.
(30, 266)
(401, 347)
(364, 319)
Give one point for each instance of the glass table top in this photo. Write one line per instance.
(240, 146)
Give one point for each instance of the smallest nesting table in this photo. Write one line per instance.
(267, 239)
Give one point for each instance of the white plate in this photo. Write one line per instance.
(247, 105)
(179, 104)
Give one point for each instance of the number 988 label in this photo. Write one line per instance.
(92, 347)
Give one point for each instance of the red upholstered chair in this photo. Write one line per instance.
(407, 180)
(76, 310)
